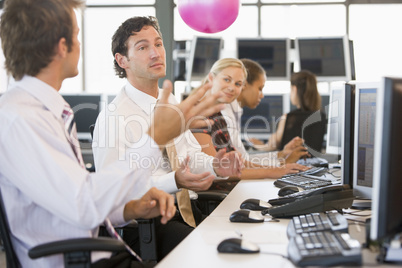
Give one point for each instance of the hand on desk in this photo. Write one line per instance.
(293, 168)
(295, 155)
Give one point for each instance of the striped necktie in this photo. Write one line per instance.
(71, 133)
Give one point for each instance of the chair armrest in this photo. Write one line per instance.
(211, 196)
(75, 245)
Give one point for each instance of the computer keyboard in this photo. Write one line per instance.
(324, 249)
(311, 171)
(314, 222)
(303, 181)
(313, 161)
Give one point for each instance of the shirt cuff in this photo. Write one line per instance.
(166, 182)
(117, 217)
(212, 170)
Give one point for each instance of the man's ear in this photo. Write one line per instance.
(62, 48)
(121, 60)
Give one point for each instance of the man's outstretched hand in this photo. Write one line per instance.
(169, 120)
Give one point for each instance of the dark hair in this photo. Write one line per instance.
(254, 70)
(307, 92)
(128, 28)
(30, 31)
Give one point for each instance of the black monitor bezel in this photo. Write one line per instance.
(387, 200)
(286, 45)
(347, 75)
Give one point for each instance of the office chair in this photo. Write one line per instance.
(310, 126)
(77, 252)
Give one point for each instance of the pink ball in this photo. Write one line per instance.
(209, 16)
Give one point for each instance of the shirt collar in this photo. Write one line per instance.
(236, 106)
(45, 93)
(143, 100)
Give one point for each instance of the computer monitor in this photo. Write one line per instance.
(386, 220)
(327, 57)
(335, 117)
(364, 136)
(204, 52)
(86, 109)
(348, 126)
(272, 54)
(265, 117)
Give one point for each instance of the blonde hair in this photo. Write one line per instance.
(224, 63)
(220, 65)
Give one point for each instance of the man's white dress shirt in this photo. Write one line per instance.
(122, 125)
(47, 195)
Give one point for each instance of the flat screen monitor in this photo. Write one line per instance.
(328, 58)
(335, 117)
(364, 136)
(348, 97)
(86, 109)
(204, 52)
(272, 54)
(386, 220)
(265, 117)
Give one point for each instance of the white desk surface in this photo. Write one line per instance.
(199, 249)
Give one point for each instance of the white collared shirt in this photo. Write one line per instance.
(123, 123)
(47, 195)
(232, 114)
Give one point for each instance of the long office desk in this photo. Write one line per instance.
(199, 249)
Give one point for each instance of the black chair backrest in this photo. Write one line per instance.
(310, 126)
(91, 130)
(12, 259)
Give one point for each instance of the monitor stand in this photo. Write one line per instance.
(361, 204)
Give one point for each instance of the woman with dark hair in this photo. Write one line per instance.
(304, 95)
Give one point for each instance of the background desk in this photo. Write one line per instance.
(199, 249)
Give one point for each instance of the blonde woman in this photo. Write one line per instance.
(228, 76)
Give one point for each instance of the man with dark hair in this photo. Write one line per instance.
(48, 195)
(139, 56)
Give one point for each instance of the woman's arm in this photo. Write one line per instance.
(205, 141)
(251, 170)
(276, 138)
